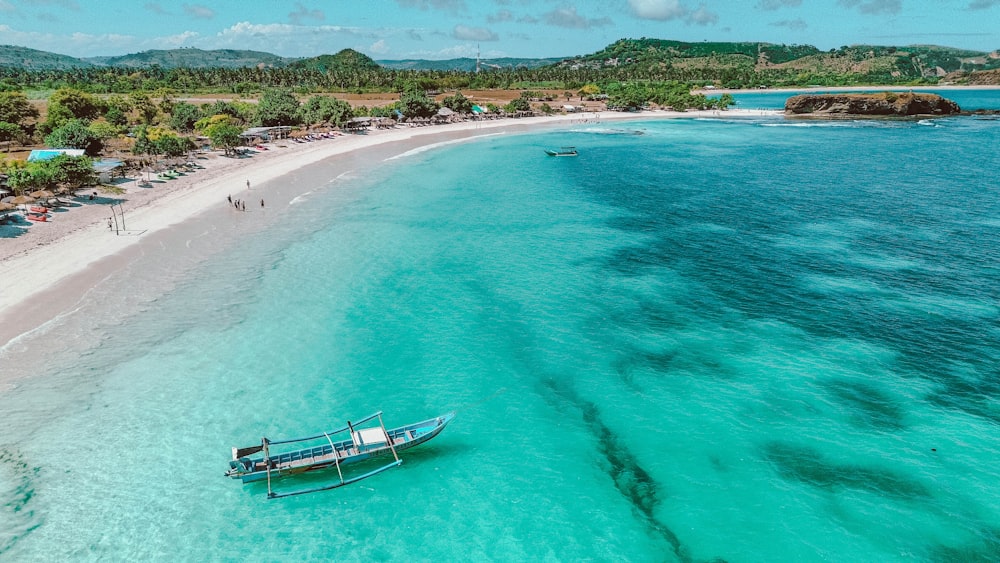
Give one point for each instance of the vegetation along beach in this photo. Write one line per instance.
(663, 281)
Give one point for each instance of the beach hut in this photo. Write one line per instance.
(253, 134)
(444, 115)
(106, 168)
(358, 124)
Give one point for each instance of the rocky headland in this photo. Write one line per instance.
(882, 104)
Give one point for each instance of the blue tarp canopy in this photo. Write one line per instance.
(49, 154)
(108, 165)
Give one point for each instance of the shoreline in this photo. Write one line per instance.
(48, 274)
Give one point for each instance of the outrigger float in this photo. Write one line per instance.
(362, 444)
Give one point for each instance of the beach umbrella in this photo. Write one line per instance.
(22, 199)
(41, 194)
(4, 206)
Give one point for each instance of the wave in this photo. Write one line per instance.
(606, 131)
(840, 123)
(300, 198)
(433, 146)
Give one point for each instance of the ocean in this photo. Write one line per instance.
(737, 339)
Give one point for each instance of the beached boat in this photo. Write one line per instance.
(323, 451)
(563, 151)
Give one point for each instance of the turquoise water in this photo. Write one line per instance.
(739, 340)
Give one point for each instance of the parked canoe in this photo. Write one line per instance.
(322, 451)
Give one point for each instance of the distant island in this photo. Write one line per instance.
(882, 104)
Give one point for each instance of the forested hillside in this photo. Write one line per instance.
(12, 56)
(730, 65)
(741, 65)
(194, 58)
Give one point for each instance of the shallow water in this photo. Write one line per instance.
(740, 340)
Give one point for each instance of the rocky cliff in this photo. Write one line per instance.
(887, 104)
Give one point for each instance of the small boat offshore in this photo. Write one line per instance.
(563, 151)
(366, 439)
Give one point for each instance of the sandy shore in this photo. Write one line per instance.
(78, 244)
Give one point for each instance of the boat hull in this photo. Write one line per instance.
(344, 452)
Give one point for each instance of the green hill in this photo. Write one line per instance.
(195, 58)
(347, 59)
(739, 61)
(33, 59)
(727, 64)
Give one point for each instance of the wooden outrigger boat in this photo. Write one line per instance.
(564, 151)
(361, 444)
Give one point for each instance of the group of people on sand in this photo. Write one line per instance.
(241, 205)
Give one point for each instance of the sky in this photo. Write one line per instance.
(446, 29)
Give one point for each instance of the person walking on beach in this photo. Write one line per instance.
(244, 206)
(262, 204)
(248, 184)
(229, 198)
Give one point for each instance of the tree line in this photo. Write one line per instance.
(155, 123)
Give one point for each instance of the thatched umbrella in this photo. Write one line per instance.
(7, 206)
(22, 200)
(42, 194)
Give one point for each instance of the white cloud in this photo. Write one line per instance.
(379, 47)
(293, 40)
(702, 16)
(75, 45)
(452, 52)
(7, 7)
(566, 16)
(155, 8)
(501, 16)
(198, 11)
(444, 5)
(794, 25)
(873, 6)
(466, 33)
(660, 10)
(69, 4)
(771, 5)
(183, 39)
(302, 14)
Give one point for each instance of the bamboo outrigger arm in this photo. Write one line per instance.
(267, 465)
(272, 495)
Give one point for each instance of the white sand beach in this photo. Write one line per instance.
(77, 244)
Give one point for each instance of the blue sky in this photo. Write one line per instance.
(443, 29)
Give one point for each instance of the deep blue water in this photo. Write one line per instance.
(737, 339)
